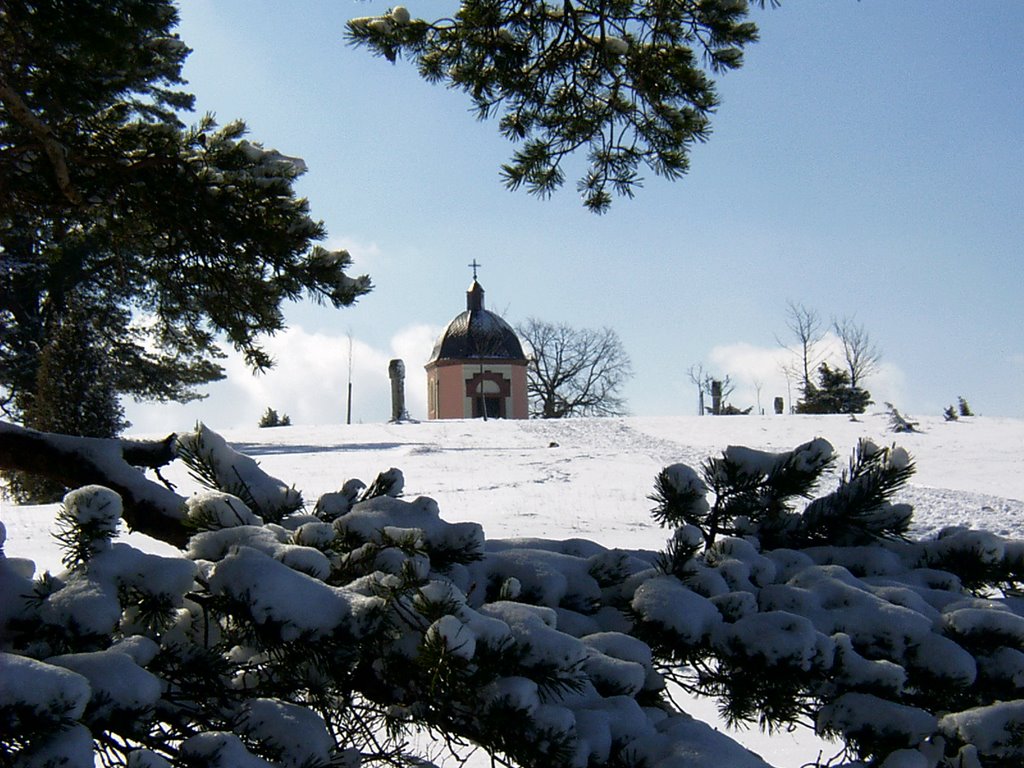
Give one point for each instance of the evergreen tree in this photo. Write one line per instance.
(270, 418)
(75, 394)
(165, 236)
(833, 394)
(76, 387)
(898, 422)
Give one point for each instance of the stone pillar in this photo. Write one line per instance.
(396, 371)
(716, 397)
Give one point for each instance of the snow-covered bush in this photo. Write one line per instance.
(755, 493)
(898, 422)
(319, 639)
(830, 615)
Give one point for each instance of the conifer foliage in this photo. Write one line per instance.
(76, 393)
(627, 82)
(115, 214)
(833, 394)
(755, 494)
(322, 638)
(270, 418)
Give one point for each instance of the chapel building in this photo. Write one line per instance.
(477, 368)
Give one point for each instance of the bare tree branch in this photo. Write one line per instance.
(860, 354)
(42, 133)
(574, 372)
(805, 325)
(758, 386)
(696, 374)
(725, 387)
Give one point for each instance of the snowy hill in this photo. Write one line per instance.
(590, 478)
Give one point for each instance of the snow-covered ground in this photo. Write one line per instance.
(590, 479)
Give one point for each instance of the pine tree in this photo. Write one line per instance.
(76, 388)
(269, 418)
(833, 394)
(75, 394)
(164, 235)
(898, 422)
(323, 639)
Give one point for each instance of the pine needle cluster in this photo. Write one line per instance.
(626, 83)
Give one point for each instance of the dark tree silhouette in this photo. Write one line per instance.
(574, 371)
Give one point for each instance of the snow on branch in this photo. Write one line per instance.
(215, 464)
(149, 506)
(323, 637)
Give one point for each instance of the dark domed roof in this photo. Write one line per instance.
(477, 333)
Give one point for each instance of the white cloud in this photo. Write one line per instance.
(366, 257)
(309, 383)
(748, 366)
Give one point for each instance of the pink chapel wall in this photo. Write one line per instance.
(451, 385)
(518, 404)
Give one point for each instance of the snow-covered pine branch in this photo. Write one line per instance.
(253, 621)
(149, 506)
(321, 638)
(215, 464)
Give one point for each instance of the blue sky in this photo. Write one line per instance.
(866, 161)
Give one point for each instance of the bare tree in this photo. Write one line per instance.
(574, 371)
(860, 354)
(758, 386)
(710, 387)
(696, 374)
(805, 324)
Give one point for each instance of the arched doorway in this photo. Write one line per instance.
(488, 391)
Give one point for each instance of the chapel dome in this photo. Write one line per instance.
(477, 333)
